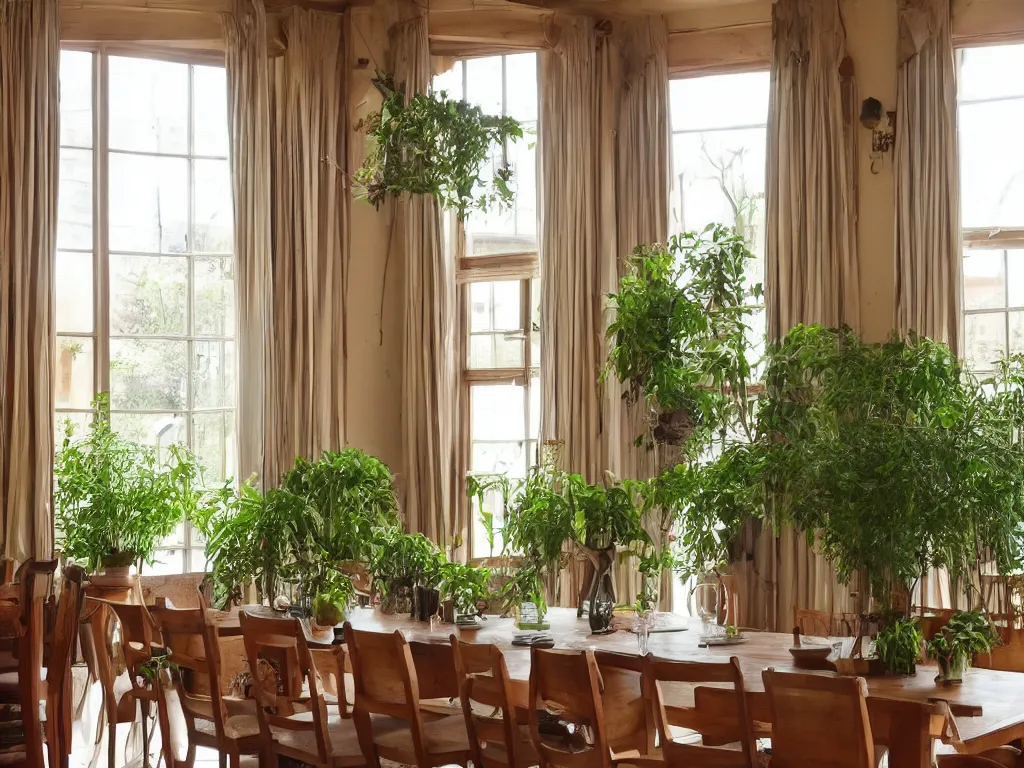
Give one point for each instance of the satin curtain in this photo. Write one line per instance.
(29, 74)
(811, 270)
(429, 386)
(928, 240)
(248, 76)
(604, 159)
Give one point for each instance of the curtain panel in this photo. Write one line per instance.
(811, 268)
(29, 76)
(429, 384)
(290, 133)
(604, 168)
(928, 240)
(248, 76)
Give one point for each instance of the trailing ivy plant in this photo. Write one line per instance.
(115, 499)
(434, 145)
(680, 338)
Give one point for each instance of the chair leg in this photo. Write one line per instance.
(111, 744)
(222, 758)
(190, 756)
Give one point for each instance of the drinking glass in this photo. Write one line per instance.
(642, 629)
(705, 597)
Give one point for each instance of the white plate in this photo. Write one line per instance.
(722, 640)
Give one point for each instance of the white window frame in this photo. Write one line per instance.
(101, 335)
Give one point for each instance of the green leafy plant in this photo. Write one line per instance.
(966, 633)
(680, 336)
(434, 145)
(404, 560)
(524, 585)
(465, 585)
(898, 645)
(477, 488)
(330, 606)
(115, 499)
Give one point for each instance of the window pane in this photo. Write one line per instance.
(521, 82)
(160, 430)
(148, 204)
(214, 220)
(1016, 333)
(498, 412)
(148, 105)
(991, 72)
(213, 435)
(79, 423)
(985, 339)
(984, 279)
(75, 372)
(166, 562)
(720, 178)
(496, 350)
(992, 164)
(147, 295)
(535, 322)
(534, 408)
(483, 84)
(73, 292)
(499, 458)
(213, 374)
(148, 374)
(450, 82)
(210, 92)
(719, 101)
(74, 199)
(76, 98)
(1015, 278)
(214, 306)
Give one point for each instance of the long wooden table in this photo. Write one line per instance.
(998, 695)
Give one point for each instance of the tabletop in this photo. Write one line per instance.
(998, 694)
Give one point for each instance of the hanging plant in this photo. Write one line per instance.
(434, 145)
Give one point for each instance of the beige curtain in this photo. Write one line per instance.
(811, 270)
(310, 214)
(928, 242)
(604, 159)
(248, 76)
(429, 384)
(29, 71)
(811, 273)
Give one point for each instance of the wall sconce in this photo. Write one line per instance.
(883, 134)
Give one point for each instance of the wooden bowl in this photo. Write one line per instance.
(812, 656)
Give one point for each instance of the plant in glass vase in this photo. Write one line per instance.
(330, 605)
(115, 500)
(400, 562)
(466, 586)
(966, 633)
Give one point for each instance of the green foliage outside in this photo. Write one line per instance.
(114, 499)
(436, 146)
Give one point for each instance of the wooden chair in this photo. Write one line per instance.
(627, 700)
(138, 649)
(387, 709)
(719, 714)
(815, 623)
(568, 683)
(291, 709)
(497, 737)
(212, 720)
(820, 721)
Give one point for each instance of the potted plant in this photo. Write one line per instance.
(954, 646)
(523, 593)
(433, 145)
(115, 500)
(898, 645)
(467, 587)
(399, 562)
(329, 608)
(679, 339)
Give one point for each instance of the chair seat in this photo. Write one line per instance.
(237, 727)
(444, 736)
(496, 752)
(342, 733)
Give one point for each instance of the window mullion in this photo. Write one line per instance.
(101, 218)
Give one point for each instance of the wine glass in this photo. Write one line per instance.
(705, 597)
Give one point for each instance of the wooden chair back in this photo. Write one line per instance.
(137, 628)
(568, 683)
(484, 682)
(193, 650)
(719, 714)
(627, 699)
(820, 721)
(279, 661)
(58, 671)
(909, 729)
(814, 623)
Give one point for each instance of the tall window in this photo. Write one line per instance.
(499, 292)
(991, 113)
(145, 275)
(719, 133)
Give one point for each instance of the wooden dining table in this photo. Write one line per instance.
(987, 709)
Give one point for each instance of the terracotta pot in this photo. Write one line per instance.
(118, 576)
